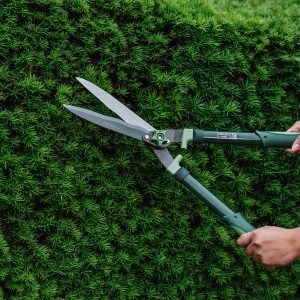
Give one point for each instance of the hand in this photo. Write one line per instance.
(272, 246)
(296, 146)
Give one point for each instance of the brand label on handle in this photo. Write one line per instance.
(227, 135)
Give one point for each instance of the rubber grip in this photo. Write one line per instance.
(260, 138)
(238, 223)
(235, 220)
(277, 139)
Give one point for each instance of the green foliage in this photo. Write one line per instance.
(88, 214)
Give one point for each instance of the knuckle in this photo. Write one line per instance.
(257, 244)
(254, 234)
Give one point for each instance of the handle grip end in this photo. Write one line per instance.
(237, 222)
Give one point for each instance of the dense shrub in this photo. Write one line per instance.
(89, 214)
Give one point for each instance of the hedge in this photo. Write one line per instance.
(89, 214)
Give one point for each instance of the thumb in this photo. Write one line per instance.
(296, 145)
(245, 239)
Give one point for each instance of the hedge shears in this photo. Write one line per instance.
(158, 140)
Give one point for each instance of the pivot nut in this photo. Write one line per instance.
(159, 138)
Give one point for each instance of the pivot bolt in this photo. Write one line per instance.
(159, 138)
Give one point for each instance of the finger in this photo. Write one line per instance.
(250, 250)
(245, 239)
(256, 257)
(296, 146)
(295, 127)
(295, 149)
(289, 150)
(259, 259)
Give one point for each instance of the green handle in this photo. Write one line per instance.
(221, 137)
(277, 139)
(238, 223)
(260, 138)
(235, 220)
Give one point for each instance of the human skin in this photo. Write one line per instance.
(296, 146)
(270, 245)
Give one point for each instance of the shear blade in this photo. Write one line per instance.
(109, 122)
(116, 106)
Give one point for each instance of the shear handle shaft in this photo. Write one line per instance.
(260, 138)
(234, 220)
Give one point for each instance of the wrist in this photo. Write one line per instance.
(296, 241)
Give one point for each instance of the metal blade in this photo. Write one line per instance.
(174, 135)
(113, 104)
(164, 156)
(108, 122)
